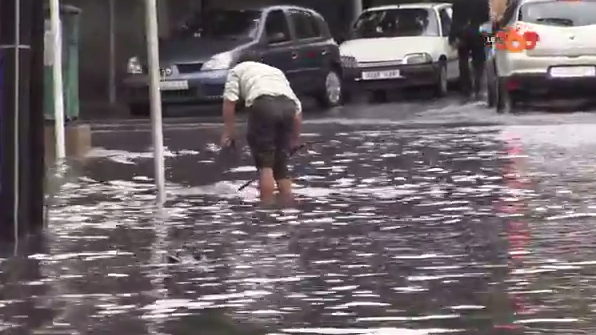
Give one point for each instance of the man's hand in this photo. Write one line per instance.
(227, 140)
(228, 111)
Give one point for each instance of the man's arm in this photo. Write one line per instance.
(230, 98)
(508, 13)
(456, 21)
(297, 126)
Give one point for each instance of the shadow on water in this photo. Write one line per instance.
(399, 232)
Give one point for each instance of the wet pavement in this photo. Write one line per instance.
(415, 218)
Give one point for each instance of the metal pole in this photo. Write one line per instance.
(57, 80)
(15, 132)
(155, 97)
(11, 49)
(37, 120)
(357, 10)
(112, 65)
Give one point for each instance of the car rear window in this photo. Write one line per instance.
(396, 23)
(566, 13)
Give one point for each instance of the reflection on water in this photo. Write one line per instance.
(397, 232)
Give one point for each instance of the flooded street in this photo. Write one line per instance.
(411, 221)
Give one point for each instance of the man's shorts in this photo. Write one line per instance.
(270, 125)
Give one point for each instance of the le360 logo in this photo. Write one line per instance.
(513, 39)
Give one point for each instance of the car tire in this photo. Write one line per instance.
(490, 86)
(333, 90)
(504, 103)
(139, 109)
(442, 85)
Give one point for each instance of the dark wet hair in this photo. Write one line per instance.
(249, 56)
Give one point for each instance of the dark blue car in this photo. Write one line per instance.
(194, 63)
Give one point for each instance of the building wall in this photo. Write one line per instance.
(94, 52)
(130, 37)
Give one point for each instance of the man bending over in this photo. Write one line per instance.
(274, 120)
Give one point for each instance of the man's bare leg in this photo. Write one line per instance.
(285, 189)
(267, 186)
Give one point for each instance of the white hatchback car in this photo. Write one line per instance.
(400, 46)
(563, 62)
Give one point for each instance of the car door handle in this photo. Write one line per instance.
(324, 52)
(294, 55)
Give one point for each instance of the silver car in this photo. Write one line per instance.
(562, 63)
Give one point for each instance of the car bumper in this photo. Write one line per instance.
(410, 76)
(540, 85)
(509, 64)
(202, 88)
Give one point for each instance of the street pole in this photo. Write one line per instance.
(151, 32)
(57, 82)
(15, 170)
(37, 119)
(357, 5)
(112, 65)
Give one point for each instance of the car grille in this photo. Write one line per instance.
(162, 71)
(189, 68)
(380, 64)
(179, 94)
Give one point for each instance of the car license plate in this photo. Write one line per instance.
(173, 85)
(379, 75)
(573, 71)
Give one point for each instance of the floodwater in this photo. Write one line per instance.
(402, 228)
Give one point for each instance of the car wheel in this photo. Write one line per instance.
(490, 87)
(504, 101)
(442, 84)
(139, 109)
(332, 96)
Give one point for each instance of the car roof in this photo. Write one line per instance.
(270, 8)
(521, 2)
(427, 5)
(526, 1)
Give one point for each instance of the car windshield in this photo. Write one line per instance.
(396, 23)
(226, 24)
(570, 13)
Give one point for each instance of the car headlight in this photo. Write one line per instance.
(348, 61)
(418, 58)
(134, 66)
(220, 61)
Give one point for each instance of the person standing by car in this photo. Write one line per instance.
(274, 120)
(468, 16)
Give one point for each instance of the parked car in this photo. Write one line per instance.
(563, 61)
(400, 46)
(195, 61)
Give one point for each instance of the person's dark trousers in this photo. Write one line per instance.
(270, 126)
(471, 46)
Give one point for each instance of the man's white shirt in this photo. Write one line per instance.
(250, 80)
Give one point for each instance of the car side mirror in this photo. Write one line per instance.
(276, 38)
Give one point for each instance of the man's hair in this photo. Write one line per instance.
(249, 56)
